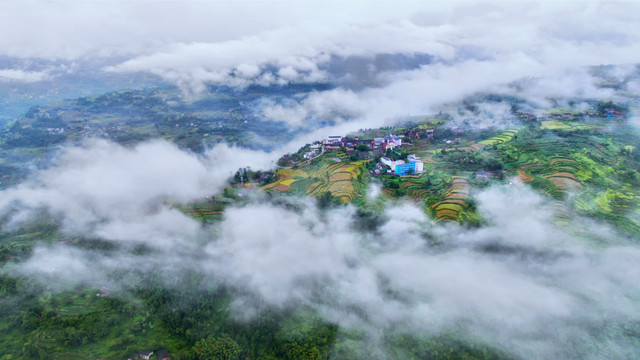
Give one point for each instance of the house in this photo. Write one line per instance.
(163, 355)
(141, 355)
(405, 169)
(392, 141)
(401, 168)
(418, 164)
(349, 142)
(430, 133)
(396, 139)
(378, 142)
(310, 154)
(333, 140)
(413, 158)
(390, 163)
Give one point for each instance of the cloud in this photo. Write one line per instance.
(297, 51)
(119, 193)
(507, 283)
(336, 106)
(276, 44)
(560, 86)
(15, 75)
(519, 283)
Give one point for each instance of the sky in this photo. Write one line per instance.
(195, 42)
(472, 47)
(520, 283)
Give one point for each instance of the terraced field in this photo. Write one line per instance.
(554, 177)
(524, 177)
(568, 126)
(500, 139)
(204, 211)
(339, 178)
(590, 166)
(454, 203)
(415, 189)
(563, 180)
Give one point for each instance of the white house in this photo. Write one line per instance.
(310, 154)
(413, 158)
(390, 163)
(419, 166)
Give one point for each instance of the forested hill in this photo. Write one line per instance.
(220, 115)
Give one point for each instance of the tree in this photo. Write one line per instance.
(217, 348)
(328, 200)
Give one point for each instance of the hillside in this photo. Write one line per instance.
(336, 203)
(129, 117)
(586, 161)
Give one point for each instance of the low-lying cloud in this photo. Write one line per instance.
(519, 283)
(21, 76)
(117, 193)
(530, 288)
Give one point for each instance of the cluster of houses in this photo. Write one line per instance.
(390, 141)
(55, 131)
(614, 113)
(413, 165)
(314, 149)
(400, 167)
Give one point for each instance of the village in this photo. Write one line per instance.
(384, 148)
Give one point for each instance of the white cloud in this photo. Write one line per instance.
(122, 193)
(16, 75)
(506, 283)
(599, 33)
(276, 43)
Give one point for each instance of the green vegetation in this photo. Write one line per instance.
(129, 117)
(188, 321)
(588, 154)
(333, 174)
(586, 162)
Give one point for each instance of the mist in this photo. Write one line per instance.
(440, 53)
(519, 283)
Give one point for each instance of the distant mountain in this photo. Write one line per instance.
(222, 114)
(62, 80)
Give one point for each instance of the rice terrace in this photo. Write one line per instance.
(339, 178)
(565, 154)
(315, 180)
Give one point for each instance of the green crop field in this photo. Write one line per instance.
(340, 178)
